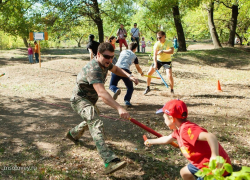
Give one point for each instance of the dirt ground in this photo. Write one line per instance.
(35, 113)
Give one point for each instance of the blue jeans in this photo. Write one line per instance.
(129, 84)
(37, 55)
(30, 58)
(138, 45)
(194, 170)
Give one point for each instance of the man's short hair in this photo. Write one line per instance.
(162, 33)
(106, 46)
(133, 46)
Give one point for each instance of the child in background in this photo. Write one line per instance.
(112, 41)
(143, 45)
(176, 46)
(196, 144)
(30, 54)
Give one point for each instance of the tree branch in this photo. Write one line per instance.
(150, 29)
(221, 2)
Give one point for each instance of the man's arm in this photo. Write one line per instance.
(155, 58)
(212, 141)
(169, 51)
(107, 99)
(91, 56)
(139, 69)
(120, 72)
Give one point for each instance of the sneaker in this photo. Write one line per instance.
(114, 166)
(128, 104)
(68, 135)
(147, 91)
(116, 94)
(172, 91)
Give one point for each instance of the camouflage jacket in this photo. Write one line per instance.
(90, 74)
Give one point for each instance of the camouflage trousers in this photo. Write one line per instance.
(93, 123)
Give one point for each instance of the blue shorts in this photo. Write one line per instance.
(193, 170)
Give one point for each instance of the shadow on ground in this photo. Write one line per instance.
(223, 57)
(32, 134)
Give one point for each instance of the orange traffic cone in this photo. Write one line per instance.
(218, 86)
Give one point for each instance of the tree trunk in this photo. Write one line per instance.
(179, 29)
(100, 29)
(25, 41)
(211, 25)
(80, 40)
(98, 21)
(233, 24)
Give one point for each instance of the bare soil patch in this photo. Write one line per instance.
(35, 113)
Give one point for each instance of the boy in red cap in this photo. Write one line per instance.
(196, 144)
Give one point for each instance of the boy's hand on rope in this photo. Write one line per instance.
(146, 141)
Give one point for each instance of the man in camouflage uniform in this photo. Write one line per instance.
(90, 86)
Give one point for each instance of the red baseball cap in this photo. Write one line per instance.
(175, 108)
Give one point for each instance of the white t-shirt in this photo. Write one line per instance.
(135, 32)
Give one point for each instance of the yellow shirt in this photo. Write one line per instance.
(163, 57)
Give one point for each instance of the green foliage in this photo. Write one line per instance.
(212, 172)
(15, 19)
(195, 24)
(8, 42)
(75, 20)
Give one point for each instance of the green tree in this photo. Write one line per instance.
(14, 19)
(167, 10)
(81, 31)
(233, 20)
(94, 10)
(243, 25)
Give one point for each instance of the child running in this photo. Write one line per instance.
(196, 144)
(125, 60)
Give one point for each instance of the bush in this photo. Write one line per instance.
(212, 172)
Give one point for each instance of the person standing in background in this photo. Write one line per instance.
(30, 54)
(36, 52)
(135, 36)
(176, 46)
(112, 41)
(122, 34)
(92, 46)
(143, 45)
